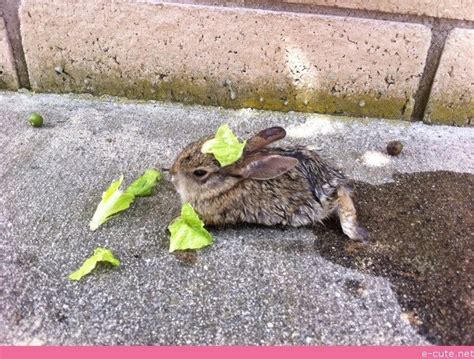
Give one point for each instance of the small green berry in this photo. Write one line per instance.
(35, 119)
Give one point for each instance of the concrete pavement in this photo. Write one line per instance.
(253, 286)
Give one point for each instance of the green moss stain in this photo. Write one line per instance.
(204, 91)
(446, 112)
(8, 82)
(357, 105)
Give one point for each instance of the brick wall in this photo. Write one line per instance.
(407, 60)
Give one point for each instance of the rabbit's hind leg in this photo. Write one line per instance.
(348, 217)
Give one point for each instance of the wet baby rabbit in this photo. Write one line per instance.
(268, 185)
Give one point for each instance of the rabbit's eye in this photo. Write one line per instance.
(199, 173)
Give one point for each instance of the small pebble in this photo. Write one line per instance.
(394, 148)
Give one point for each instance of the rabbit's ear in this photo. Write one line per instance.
(265, 167)
(265, 137)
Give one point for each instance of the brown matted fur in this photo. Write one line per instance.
(268, 185)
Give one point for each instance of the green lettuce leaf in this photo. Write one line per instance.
(225, 146)
(144, 185)
(100, 255)
(113, 201)
(188, 232)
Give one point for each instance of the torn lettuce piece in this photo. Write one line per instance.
(144, 185)
(113, 201)
(188, 232)
(225, 146)
(100, 255)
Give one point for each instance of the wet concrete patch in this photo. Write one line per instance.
(421, 240)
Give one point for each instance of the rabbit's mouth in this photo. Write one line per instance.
(175, 182)
(179, 187)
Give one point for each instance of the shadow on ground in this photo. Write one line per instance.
(421, 240)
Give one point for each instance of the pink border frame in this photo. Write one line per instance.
(212, 352)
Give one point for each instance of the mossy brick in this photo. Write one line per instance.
(230, 57)
(451, 99)
(8, 76)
